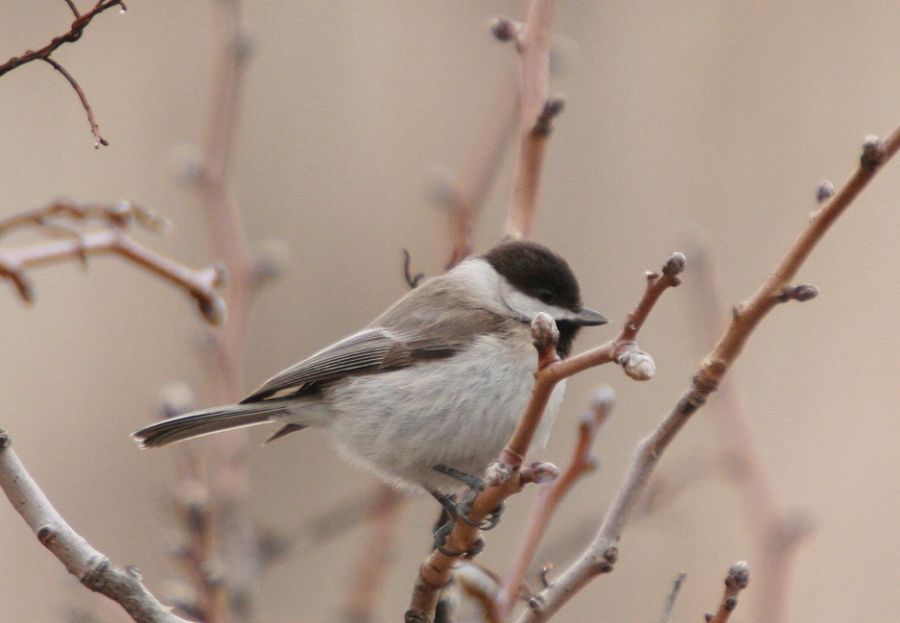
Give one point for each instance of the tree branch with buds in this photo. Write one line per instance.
(91, 567)
(537, 109)
(776, 289)
(506, 475)
(117, 218)
(737, 580)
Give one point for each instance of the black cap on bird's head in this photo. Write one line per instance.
(539, 273)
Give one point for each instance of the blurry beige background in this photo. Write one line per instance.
(710, 122)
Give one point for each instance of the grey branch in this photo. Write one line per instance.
(91, 567)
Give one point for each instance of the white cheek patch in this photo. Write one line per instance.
(527, 307)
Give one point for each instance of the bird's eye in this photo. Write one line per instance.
(546, 295)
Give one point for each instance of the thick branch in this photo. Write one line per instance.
(91, 567)
(14, 262)
(746, 317)
(506, 475)
(537, 110)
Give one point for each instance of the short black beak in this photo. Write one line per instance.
(588, 317)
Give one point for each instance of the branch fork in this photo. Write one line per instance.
(506, 475)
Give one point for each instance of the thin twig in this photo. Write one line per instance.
(673, 597)
(92, 121)
(737, 580)
(74, 33)
(551, 494)
(14, 262)
(537, 109)
(91, 567)
(506, 476)
(73, 8)
(746, 317)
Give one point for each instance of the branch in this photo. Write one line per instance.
(74, 33)
(92, 121)
(776, 533)
(506, 476)
(737, 580)
(14, 262)
(673, 596)
(551, 494)
(91, 567)
(537, 110)
(746, 317)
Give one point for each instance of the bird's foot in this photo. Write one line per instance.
(440, 543)
(460, 510)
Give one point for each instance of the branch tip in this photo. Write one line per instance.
(675, 265)
(739, 575)
(604, 400)
(544, 331)
(505, 29)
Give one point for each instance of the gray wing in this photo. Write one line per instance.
(431, 322)
(367, 352)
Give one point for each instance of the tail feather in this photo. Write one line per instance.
(204, 422)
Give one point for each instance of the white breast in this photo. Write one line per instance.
(457, 412)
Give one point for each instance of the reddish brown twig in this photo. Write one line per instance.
(92, 121)
(537, 110)
(370, 568)
(506, 476)
(737, 580)
(92, 568)
(551, 494)
(746, 317)
(14, 262)
(74, 33)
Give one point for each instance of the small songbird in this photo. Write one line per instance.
(439, 379)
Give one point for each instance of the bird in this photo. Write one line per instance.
(432, 389)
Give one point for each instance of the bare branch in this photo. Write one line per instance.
(737, 580)
(776, 533)
(14, 262)
(551, 494)
(537, 110)
(745, 319)
(91, 567)
(74, 33)
(506, 476)
(92, 121)
(673, 597)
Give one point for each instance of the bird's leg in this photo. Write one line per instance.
(473, 482)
